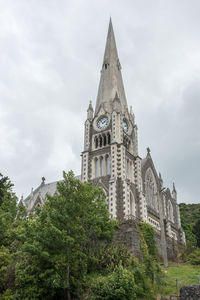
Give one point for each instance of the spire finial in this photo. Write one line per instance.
(148, 151)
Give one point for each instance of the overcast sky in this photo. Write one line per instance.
(51, 53)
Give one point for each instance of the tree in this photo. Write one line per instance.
(196, 231)
(8, 208)
(10, 215)
(57, 238)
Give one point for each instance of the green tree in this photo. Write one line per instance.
(53, 260)
(196, 231)
(10, 216)
(8, 208)
(190, 216)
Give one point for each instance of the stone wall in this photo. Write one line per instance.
(190, 292)
(129, 235)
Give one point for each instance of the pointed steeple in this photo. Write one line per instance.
(111, 78)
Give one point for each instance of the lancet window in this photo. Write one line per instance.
(151, 190)
(96, 160)
(129, 169)
(107, 160)
(132, 204)
(126, 142)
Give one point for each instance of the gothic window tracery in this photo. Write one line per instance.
(151, 190)
(101, 165)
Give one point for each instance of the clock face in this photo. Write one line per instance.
(102, 122)
(125, 125)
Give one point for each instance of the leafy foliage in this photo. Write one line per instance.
(148, 235)
(190, 220)
(53, 259)
(106, 256)
(150, 254)
(194, 257)
(10, 217)
(119, 285)
(64, 250)
(196, 231)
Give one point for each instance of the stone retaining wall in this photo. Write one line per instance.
(129, 235)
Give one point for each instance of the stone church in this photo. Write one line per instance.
(110, 159)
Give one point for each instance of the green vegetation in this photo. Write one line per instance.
(64, 249)
(190, 220)
(147, 233)
(185, 273)
(10, 218)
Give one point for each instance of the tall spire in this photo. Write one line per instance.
(111, 78)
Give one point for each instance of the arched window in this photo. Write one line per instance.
(96, 142)
(107, 164)
(100, 141)
(96, 167)
(151, 190)
(101, 166)
(127, 168)
(132, 205)
(108, 138)
(104, 140)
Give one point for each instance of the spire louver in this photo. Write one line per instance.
(111, 78)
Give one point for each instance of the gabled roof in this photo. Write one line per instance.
(41, 191)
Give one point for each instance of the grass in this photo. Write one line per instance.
(185, 273)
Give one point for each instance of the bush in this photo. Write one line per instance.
(119, 285)
(105, 257)
(194, 258)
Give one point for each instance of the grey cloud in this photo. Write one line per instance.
(51, 55)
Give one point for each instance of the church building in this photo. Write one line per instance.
(110, 159)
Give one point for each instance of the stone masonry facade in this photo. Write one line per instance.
(110, 159)
(134, 190)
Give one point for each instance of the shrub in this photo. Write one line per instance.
(119, 285)
(106, 257)
(194, 258)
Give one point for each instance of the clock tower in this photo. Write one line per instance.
(110, 157)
